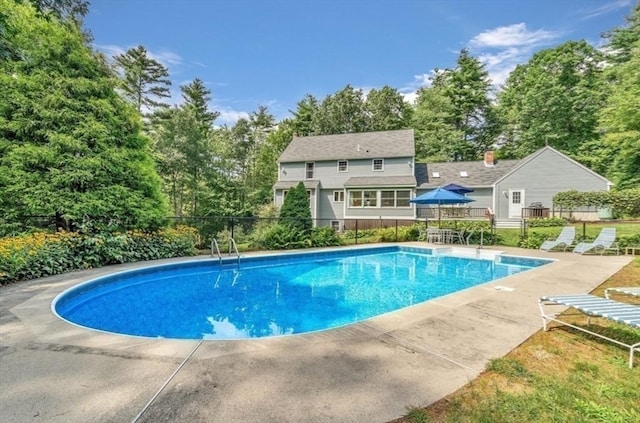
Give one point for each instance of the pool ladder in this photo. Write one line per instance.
(233, 248)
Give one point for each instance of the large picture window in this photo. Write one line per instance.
(383, 198)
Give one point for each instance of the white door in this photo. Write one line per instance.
(516, 202)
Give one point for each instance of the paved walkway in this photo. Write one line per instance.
(367, 372)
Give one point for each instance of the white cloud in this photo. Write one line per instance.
(110, 50)
(410, 92)
(604, 9)
(230, 117)
(501, 49)
(410, 97)
(512, 35)
(167, 58)
(500, 64)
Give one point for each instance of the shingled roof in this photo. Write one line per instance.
(478, 174)
(381, 181)
(365, 145)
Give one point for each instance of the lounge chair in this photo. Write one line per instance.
(591, 305)
(606, 240)
(566, 237)
(629, 290)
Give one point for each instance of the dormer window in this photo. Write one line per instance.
(343, 166)
(378, 165)
(464, 174)
(435, 174)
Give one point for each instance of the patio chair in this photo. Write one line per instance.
(434, 235)
(628, 290)
(591, 305)
(566, 237)
(606, 240)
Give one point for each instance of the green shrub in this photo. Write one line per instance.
(295, 211)
(325, 237)
(533, 240)
(363, 233)
(629, 241)
(279, 236)
(546, 222)
(403, 234)
(42, 254)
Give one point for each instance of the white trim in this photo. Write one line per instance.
(333, 199)
(346, 170)
(373, 165)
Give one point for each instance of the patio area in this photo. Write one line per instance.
(366, 372)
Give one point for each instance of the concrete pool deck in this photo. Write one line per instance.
(371, 371)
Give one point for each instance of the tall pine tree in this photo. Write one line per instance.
(145, 81)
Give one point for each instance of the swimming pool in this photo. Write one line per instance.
(277, 294)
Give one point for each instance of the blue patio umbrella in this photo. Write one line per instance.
(458, 189)
(440, 196)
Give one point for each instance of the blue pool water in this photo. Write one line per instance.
(274, 295)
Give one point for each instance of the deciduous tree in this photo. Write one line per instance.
(554, 99)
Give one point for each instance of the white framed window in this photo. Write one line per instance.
(370, 198)
(387, 198)
(377, 165)
(398, 198)
(335, 225)
(402, 198)
(338, 196)
(355, 198)
(309, 167)
(343, 165)
(395, 198)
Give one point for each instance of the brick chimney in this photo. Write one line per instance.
(488, 159)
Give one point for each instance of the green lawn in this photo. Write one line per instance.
(511, 237)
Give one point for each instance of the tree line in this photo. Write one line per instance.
(82, 135)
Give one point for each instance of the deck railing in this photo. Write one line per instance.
(529, 212)
(449, 212)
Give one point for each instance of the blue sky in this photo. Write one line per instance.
(273, 52)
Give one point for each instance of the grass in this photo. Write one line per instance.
(511, 237)
(561, 375)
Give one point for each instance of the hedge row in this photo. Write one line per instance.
(43, 254)
(624, 202)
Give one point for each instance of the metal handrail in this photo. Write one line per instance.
(214, 243)
(232, 243)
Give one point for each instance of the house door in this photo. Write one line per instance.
(516, 202)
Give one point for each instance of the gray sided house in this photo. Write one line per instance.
(508, 186)
(351, 176)
(373, 175)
